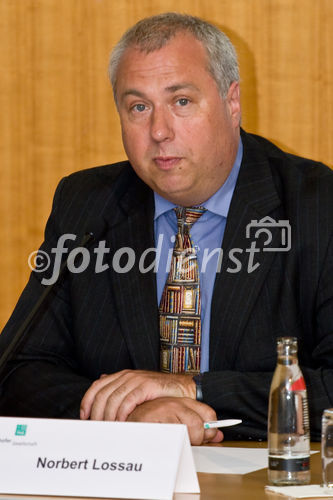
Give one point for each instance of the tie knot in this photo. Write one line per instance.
(188, 215)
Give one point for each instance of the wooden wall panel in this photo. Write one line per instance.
(57, 113)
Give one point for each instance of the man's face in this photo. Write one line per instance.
(180, 136)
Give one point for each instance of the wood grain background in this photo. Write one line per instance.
(57, 113)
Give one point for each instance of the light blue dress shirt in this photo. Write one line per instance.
(207, 234)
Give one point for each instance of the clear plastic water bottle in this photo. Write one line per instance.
(288, 420)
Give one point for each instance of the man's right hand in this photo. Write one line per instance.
(115, 396)
(180, 411)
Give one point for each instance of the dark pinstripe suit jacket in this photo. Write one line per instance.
(104, 322)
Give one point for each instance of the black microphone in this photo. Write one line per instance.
(87, 238)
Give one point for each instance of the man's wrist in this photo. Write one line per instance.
(198, 385)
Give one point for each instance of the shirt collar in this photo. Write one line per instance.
(219, 203)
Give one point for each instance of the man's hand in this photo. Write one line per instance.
(114, 397)
(180, 411)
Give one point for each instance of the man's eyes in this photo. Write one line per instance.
(183, 101)
(139, 107)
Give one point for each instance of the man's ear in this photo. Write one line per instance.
(233, 103)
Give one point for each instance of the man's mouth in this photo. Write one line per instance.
(167, 162)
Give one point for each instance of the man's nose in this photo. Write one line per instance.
(161, 125)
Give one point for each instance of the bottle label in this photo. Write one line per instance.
(298, 385)
(289, 464)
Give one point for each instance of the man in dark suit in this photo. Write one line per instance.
(94, 349)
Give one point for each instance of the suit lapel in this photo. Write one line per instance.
(238, 284)
(131, 227)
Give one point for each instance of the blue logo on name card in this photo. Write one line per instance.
(21, 430)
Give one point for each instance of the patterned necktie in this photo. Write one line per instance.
(180, 307)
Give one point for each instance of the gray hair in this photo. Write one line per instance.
(152, 33)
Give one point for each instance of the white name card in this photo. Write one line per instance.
(95, 459)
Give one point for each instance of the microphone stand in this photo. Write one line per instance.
(29, 319)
